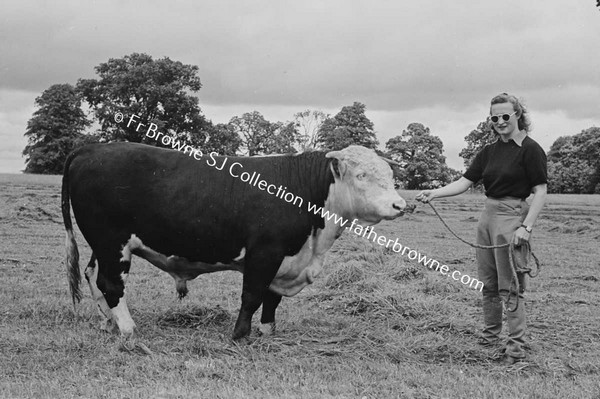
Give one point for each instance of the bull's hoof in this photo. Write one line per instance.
(266, 329)
(243, 341)
(130, 346)
(127, 334)
(239, 333)
(108, 325)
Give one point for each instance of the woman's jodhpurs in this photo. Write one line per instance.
(499, 220)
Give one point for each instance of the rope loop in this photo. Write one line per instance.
(516, 266)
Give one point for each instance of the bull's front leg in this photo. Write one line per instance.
(260, 269)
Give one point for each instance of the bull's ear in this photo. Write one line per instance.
(337, 164)
(335, 168)
(334, 154)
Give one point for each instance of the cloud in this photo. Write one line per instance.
(406, 59)
(393, 55)
(16, 108)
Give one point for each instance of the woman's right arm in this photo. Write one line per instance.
(454, 188)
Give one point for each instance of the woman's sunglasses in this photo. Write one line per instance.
(505, 117)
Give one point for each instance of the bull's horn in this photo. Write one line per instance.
(391, 162)
(333, 154)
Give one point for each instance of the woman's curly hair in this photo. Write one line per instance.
(524, 119)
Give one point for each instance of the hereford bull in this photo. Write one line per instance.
(190, 216)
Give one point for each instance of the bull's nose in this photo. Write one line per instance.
(399, 205)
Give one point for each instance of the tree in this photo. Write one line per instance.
(261, 137)
(421, 154)
(347, 127)
(476, 140)
(155, 90)
(308, 123)
(55, 129)
(283, 139)
(571, 178)
(588, 143)
(222, 140)
(574, 163)
(562, 146)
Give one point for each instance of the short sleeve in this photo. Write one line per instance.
(536, 166)
(475, 171)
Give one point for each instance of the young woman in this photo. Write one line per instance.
(511, 168)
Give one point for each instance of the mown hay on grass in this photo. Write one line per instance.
(407, 273)
(196, 317)
(435, 286)
(346, 275)
(373, 306)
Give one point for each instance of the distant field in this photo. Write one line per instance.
(374, 325)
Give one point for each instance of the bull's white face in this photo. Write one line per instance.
(364, 188)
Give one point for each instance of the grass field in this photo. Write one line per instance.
(374, 325)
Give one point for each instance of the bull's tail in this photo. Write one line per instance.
(72, 260)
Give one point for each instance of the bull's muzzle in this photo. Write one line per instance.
(400, 206)
(403, 207)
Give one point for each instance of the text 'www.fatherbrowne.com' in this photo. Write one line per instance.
(235, 170)
(370, 234)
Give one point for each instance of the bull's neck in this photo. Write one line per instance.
(340, 202)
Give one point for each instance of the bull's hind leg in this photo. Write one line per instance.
(91, 275)
(112, 276)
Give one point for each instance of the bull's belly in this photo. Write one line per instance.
(294, 273)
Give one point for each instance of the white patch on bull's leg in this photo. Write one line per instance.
(121, 314)
(123, 318)
(132, 244)
(266, 329)
(106, 323)
(241, 256)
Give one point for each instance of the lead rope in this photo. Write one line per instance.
(514, 281)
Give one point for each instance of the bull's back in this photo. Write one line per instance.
(175, 203)
(160, 195)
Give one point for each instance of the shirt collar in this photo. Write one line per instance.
(518, 139)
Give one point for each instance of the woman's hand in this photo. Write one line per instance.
(425, 196)
(521, 236)
(454, 188)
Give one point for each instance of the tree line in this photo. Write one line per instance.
(160, 92)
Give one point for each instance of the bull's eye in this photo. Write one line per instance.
(361, 176)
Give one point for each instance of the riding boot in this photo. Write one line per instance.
(516, 332)
(492, 319)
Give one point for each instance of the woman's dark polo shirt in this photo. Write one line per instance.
(509, 170)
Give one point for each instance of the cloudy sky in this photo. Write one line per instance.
(434, 62)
